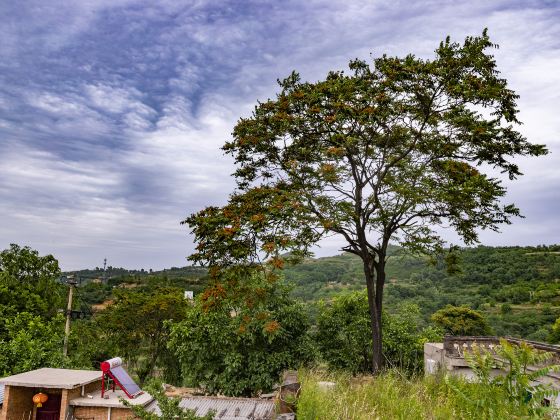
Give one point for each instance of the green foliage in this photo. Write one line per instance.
(403, 339)
(343, 335)
(555, 333)
(30, 296)
(135, 327)
(28, 283)
(505, 308)
(391, 395)
(169, 407)
(461, 320)
(386, 152)
(30, 343)
(26, 266)
(236, 340)
(523, 366)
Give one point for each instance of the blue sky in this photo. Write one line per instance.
(112, 112)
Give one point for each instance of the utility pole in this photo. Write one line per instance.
(105, 271)
(71, 280)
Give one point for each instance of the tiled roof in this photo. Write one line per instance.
(1, 393)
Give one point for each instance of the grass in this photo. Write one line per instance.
(393, 396)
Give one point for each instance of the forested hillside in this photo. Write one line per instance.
(517, 288)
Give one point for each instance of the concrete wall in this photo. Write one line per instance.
(433, 357)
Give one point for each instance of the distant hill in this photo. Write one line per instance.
(518, 288)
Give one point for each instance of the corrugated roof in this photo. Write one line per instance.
(226, 408)
(1, 394)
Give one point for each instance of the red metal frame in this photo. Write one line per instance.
(106, 369)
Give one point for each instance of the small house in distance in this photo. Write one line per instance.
(68, 394)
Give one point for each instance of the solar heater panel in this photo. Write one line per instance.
(125, 381)
(113, 368)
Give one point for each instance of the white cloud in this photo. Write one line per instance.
(108, 141)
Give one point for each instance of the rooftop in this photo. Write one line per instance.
(226, 408)
(112, 399)
(53, 378)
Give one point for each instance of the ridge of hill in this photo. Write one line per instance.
(517, 288)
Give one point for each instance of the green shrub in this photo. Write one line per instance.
(343, 335)
(237, 342)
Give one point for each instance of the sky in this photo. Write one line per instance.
(112, 112)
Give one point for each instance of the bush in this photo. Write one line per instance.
(239, 343)
(344, 340)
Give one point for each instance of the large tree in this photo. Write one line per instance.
(385, 153)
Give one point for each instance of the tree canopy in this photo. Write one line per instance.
(461, 320)
(31, 329)
(385, 153)
(239, 336)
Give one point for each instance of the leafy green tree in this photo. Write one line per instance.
(343, 333)
(30, 295)
(239, 336)
(344, 340)
(554, 336)
(461, 320)
(135, 327)
(29, 283)
(385, 153)
(31, 342)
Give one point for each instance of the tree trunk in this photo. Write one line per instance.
(375, 315)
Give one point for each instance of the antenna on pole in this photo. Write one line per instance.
(105, 271)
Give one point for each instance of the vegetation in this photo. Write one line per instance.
(518, 384)
(31, 342)
(523, 278)
(31, 330)
(461, 320)
(513, 395)
(393, 396)
(383, 154)
(138, 329)
(238, 340)
(379, 157)
(344, 340)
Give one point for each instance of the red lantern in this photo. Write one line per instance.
(40, 399)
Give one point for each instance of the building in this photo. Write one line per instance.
(449, 356)
(72, 394)
(98, 395)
